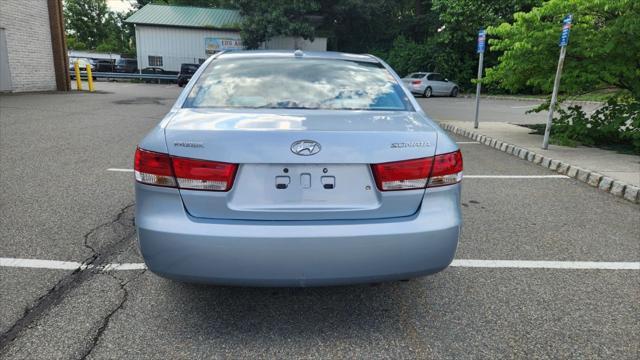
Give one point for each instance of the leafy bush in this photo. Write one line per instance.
(407, 56)
(601, 52)
(616, 124)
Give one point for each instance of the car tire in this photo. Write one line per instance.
(427, 92)
(454, 92)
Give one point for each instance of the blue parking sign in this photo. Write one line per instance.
(482, 39)
(566, 27)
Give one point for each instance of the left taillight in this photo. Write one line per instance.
(204, 175)
(192, 174)
(153, 168)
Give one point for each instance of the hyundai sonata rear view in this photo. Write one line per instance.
(296, 169)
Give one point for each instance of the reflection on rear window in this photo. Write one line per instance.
(297, 84)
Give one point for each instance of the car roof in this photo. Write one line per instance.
(333, 55)
(424, 73)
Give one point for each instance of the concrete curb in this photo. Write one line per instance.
(517, 98)
(617, 188)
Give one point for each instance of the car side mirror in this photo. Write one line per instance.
(447, 80)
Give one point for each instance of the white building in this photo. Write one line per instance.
(32, 46)
(93, 55)
(167, 36)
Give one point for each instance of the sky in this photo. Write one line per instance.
(119, 5)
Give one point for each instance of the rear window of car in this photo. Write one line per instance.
(294, 83)
(417, 75)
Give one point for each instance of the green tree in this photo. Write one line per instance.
(75, 44)
(603, 50)
(91, 26)
(264, 20)
(373, 25)
(460, 21)
(87, 21)
(120, 35)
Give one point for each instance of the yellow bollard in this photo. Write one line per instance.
(76, 67)
(90, 78)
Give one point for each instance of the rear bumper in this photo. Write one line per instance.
(295, 253)
(417, 89)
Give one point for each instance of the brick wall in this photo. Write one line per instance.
(28, 34)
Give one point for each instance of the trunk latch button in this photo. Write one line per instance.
(282, 182)
(328, 182)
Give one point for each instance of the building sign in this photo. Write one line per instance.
(566, 27)
(213, 45)
(482, 39)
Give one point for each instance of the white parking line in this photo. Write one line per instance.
(467, 142)
(120, 170)
(120, 267)
(65, 265)
(516, 177)
(513, 264)
(526, 264)
(39, 264)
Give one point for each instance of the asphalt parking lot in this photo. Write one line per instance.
(512, 111)
(66, 201)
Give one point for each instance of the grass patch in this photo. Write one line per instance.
(555, 139)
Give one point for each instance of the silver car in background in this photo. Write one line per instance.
(296, 169)
(430, 84)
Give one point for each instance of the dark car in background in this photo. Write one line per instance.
(158, 71)
(186, 72)
(104, 65)
(126, 65)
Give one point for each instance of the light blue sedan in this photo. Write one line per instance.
(296, 169)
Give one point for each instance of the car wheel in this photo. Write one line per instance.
(454, 92)
(427, 92)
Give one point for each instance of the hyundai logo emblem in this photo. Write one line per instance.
(305, 147)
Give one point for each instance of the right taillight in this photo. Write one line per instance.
(402, 175)
(160, 169)
(439, 170)
(416, 82)
(447, 169)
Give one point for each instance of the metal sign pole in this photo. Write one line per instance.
(554, 97)
(564, 40)
(475, 121)
(482, 36)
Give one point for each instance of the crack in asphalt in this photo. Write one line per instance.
(107, 319)
(70, 281)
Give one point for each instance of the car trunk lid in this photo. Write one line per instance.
(274, 183)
